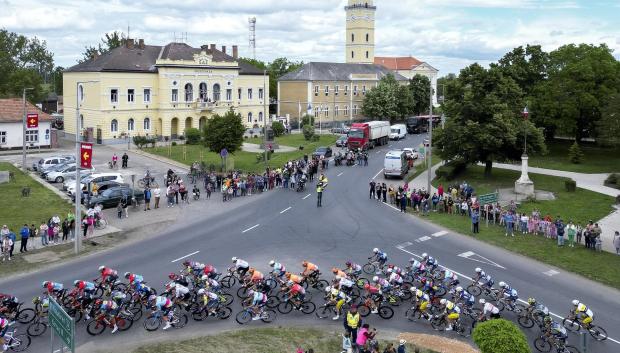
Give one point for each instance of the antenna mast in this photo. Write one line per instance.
(252, 23)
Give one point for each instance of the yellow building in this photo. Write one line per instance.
(140, 89)
(360, 41)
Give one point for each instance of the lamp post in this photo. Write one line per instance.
(24, 129)
(523, 185)
(430, 139)
(525, 114)
(264, 117)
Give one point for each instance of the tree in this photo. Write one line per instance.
(485, 122)
(307, 119)
(608, 128)
(420, 87)
(308, 131)
(275, 69)
(278, 128)
(575, 155)
(192, 136)
(388, 101)
(109, 41)
(526, 66)
(500, 336)
(224, 131)
(57, 79)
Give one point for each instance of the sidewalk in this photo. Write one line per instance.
(421, 181)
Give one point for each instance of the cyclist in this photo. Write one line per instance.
(241, 267)
(4, 326)
(337, 297)
(310, 269)
(256, 276)
(449, 278)
(421, 301)
(211, 284)
(109, 308)
(85, 295)
(582, 313)
(395, 279)
(555, 330)
(133, 278)
(10, 304)
(416, 268)
(278, 269)
(296, 293)
(345, 285)
(488, 309)
(210, 271)
(293, 277)
(165, 305)
(382, 283)
(428, 285)
(461, 296)
(257, 301)
(486, 280)
(353, 269)
(510, 294)
(181, 293)
(451, 311)
(209, 300)
(429, 261)
(179, 278)
(143, 290)
(376, 296)
(53, 289)
(193, 267)
(339, 273)
(537, 309)
(108, 275)
(379, 256)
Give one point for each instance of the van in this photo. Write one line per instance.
(395, 164)
(398, 131)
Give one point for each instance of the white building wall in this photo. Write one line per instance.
(14, 135)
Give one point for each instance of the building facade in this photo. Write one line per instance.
(11, 125)
(161, 91)
(360, 40)
(408, 67)
(331, 92)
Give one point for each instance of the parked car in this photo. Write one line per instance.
(342, 141)
(95, 178)
(101, 187)
(70, 180)
(411, 153)
(45, 163)
(55, 168)
(323, 151)
(112, 196)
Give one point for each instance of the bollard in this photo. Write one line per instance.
(583, 339)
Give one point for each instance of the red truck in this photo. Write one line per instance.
(368, 135)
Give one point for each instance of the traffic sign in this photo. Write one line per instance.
(62, 324)
(224, 152)
(86, 155)
(32, 121)
(488, 198)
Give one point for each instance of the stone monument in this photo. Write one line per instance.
(523, 185)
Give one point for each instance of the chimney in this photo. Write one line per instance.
(212, 46)
(224, 49)
(204, 47)
(235, 52)
(141, 43)
(130, 43)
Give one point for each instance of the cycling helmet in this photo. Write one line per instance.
(575, 302)
(234, 259)
(186, 263)
(101, 268)
(547, 319)
(127, 274)
(305, 263)
(412, 260)
(478, 270)
(45, 283)
(271, 263)
(204, 277)
(581, 307)
(290, 283)
(288, 275)
(252, 269)
(201, 291)
(413, 289)
(152, 297)
(172, 275)
(375, 250)
(375, 278)
(328, 289)
(367, 286)
(424, 255)
(389, 270)
(443, 301)
(502, 284)
(334, 270)
(348, 264)
(459, 289)
(482, 301)
(423, 280)
(531, 301)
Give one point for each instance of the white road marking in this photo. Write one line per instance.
(286, 209)
(340, 174)
(376, 175)
(404, 245)
(470, 255)
(252, 227)
(378, 152)
(305, 197)
(438, 234)
(424, 238)
(188, 255)
(401, 248)
(551, 273)
(389, 145)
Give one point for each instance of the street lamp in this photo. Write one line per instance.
(430, 139)
(525, 114)
(24, 129)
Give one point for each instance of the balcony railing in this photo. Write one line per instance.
(360, 6)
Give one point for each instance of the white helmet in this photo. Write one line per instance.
(389, 270)
(204, 277)
(413, 289)
(412, 260)
(250, 292)
(201, 291)
(502, 284)
(375, 278)
(272, 262)
(459, 289)
(101, 268)
(328, 289)
(443, 301)
(234, 259)
(482, 301)
(424, 255)
(575, 302)
(478, 270)
(375, 250)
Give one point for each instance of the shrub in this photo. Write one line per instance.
(278, 128)
(308, 132)
(570, 185)
(140, 141)
(174, 143)
(193, 136)
(575, 155)
(451, 170)
(500, 336)
(613, 180)
(316, 138)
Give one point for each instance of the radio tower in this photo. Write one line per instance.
(252, 23)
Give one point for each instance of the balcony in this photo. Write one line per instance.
(360, 6)
(204, 106)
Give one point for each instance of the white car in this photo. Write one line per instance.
(59, 176)
(411, 153)
(95, 178)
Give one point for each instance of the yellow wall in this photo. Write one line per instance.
(360, 21)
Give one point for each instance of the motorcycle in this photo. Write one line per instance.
(301, 184)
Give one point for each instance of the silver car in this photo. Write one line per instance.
(59, 176)
(45, 163)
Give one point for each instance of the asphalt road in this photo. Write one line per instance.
(287, 226)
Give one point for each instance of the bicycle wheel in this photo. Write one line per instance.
(308, 308)
(542, 345)
(386, 312)
(36, 328)
(243, 317)
(181, 320)
(136, 311)
(271, 283)
(440, 292)
(242, 292)
(199, 314)
(152, 323)
(571, 349)
(475, 313)
(438, 323)
(224, 313)
(364, 310)
(526, 321)
(272, 302)
(20, 343)
(598, 333)
(413, 314)
(268, 316)
(571, 325)
(474, 290)
(95, 327)
(321, 285)
(519, 308)
(285, 307)
(500, 305)
(326, 311)
(462, 329)
(25, 315)
(228, 281)
(369, 268)
(124, 323)
(361, 282)
(226, 299)
(98, 293)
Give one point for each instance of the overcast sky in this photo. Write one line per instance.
(448, 34)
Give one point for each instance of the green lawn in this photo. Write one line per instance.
(16, 210)
(295, 140)
(240, 160)
(596, 159)
(579, 206)
(260, 340)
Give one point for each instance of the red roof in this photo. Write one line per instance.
(12, 110)
(397, 62)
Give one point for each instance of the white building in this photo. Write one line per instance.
(11, 126)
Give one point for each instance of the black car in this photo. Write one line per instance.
(103, 186)
(323, 151)
(112, 196)
(342, 141)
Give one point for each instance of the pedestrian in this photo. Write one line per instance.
(175, 188)
(509, 221)
(25, 233)
(43, 232)
(125, 205)
(598, 243)
(6, 247)
(85, 226)
(209, 189)
(559, 226)
(579, 233)
(119, 210)
(4, 231)
(403, 203)
(372, 189)
(147, 199)
(13, 238)
(475, 221)
(34, 231)
(401, 347)
(384, 190)
(124, 159)
(617, 242)
(157, 195)
(50, 233)
(320, 186)
(65, 229)
(352, 322)
(570, 231)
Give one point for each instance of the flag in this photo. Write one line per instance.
(32, 121)
(309, 108)
(525, 113)
(299, 108)
(86, 155)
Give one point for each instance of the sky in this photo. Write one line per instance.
(448, 34)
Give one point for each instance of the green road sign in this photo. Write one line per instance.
(62, 324)
(488, 198)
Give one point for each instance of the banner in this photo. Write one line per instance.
(32, 121)
(86, 155)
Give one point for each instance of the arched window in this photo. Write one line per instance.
(249, 117)
(352, 37)
(81, 93)
(260, 116)
(216, 92)
(203, 92)
(147, 124)
(114, 125)
(367, 36)
(189, 92)
(130, 124)
(81, 121)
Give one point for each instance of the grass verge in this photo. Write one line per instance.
(16, 210)
(596, 159)
(262, 340)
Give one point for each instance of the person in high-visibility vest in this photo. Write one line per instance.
(352, 322)
(320, 186)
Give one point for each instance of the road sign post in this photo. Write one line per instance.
(488, 198)
(62, 326)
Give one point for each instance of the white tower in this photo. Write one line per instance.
(360, 41)
(252, 23)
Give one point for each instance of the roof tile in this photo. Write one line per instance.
(12, 110)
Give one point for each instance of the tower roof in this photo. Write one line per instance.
(322, 71)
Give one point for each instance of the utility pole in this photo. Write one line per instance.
(430, 140)
(264, 117)
(24, 129)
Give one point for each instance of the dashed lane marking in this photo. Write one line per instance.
(376, 175)
(188, 255)
(252, 227)
(438, 234)
(424, 238)
(470, 255)
(286, 209)
(305, 197)
(340, 174)
(551, 273)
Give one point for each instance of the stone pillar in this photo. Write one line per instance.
(524, 185)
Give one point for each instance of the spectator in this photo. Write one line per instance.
(85, 225)
(403, 203)
(65, 229)
(119, 210)
(579, 233)
(124, 159)
(509, 221)
(559, 226)
(364, 335)
(401, 347)
(25, 233)
(13, 238)
(43, 232)
(440, 191)
(33, 232)
(346, 343)
(6, 247)
(147, 199)
(352, 322)
(571, 230)
(4, 231)
(390, 348)
(475, 222)
(157, 196)
(598, 243)
(617, 242)
(170, 195)
(373, 186)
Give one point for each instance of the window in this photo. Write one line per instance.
(114, 95)
(346, 90)
(146, 124)
(260, 93)
(2, 137)
(229, 94)
(364, 89)
(316, 90)
(352, 54)
(326, 112)
(367, 37)
(249, 93)
(130, 125)
(249, 117)
(175, 95)
(114, 125)
(81, 93)
(316, 112)
(189, 92)
(202, 92)
(147, 95)
(32, 136)
(336, 89)
(260, 116)
(355, 110)
(326, 90)
(355, 90)
(216, 92)
(130, 95)
(352, 37)
(239, 93)
(366, 54)
(81, 120)
(335, 110)
(346, 110)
